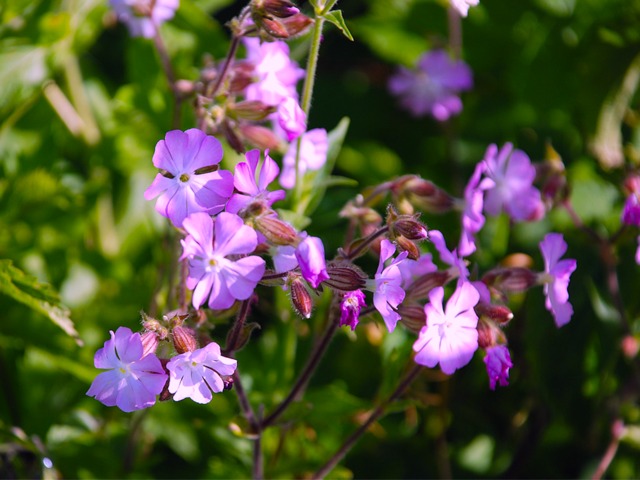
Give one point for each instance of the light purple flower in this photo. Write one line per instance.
(462, 6)
(513, 191)
(252, 190)
(557, 276)
(310, 256)
(212, 274)
(472, 218)
(133, 379)
(313, 155)
(291, 118)
(432, 87)
(276, 74)
(498, 362)
(198, 374)
(411, 270)
(181, 154)
(456, 262)
(284, 258)
(387, 285)
(143, 17)
(352, 303)
(631, 210)
(450, 337)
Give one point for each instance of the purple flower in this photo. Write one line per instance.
(513, 190)
(386, 285)
(457, 263)
(212, 274)
(352, 303)
(198, 374)
(631, 210)
(638, 251)
(450, 336)
(433, 87)
(252, 191)
(291, 118)
(133, 379)
(472, 218)
(498, 362)
(284, 258)
(557, 276)
(462, 6)
(182, 190)
(143, 17)
(310, 256)
(411, 270)
(276, 74)
(313, 155)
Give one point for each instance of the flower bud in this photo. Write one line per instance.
(272, 26)
(427, 196)
(277, 231)
(406, 245)
(261, 137)
(489, 334)
(420, 288)
(149, 343)
(277, 8)
(300, 298)
(511, 280)
(241, 77)
(251, 110)
(296, 24)
(500, 314)
(406, 225)
(413, 316)
(630, 346)
(232, 137)
(184, 340)
(345, 278)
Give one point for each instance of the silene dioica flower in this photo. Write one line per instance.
(498, 363)
(132, 379)
(143, 17)
(313, 155)
(556, 277)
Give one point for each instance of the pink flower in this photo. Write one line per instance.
(291, 118)
(133, 379)
(498, 362)
(313, 155)
(472, 218)
(411, 270)
(310, 256)
(386, 286)
(198, 374)
(457, 263)
(462, 6)
(433, 87)
(251, 190)
(556, 278)
(181, 189)
(513, 191)
(631, 210)
(143, 17)
(352, 303)
(212, 274)
(638, 251)
(450, 337)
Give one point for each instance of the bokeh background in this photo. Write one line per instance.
(72, 216)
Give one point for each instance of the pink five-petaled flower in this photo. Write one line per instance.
(199, 373)
(450, 336)
(143, 17)
(310, 256)
(498, 362)
(352, 303)
(291, 118)
(462, 6)
(313, 155)
(513, 190)
(182, 190)
(133, 379)
(472, 218)
(250, 190)
(432, 87)
(556, 277)
(387, 285)
(212, 274)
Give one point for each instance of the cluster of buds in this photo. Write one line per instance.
(278, 19)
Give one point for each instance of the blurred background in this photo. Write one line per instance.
(72, 215)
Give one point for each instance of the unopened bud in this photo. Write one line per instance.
(427, 196)
(345, 278)
(273, 27)
(409, 227)
(489, 334)
(184, 340)
(413, 316)
(296, 24)
(500, 314)
(261, 137)
(420, 288)
(251, 110)
(277, 231)
(300, 298)
(406, 245)
(149, 343)
(241, 77)
(232, 137)
(630, 346)
(511, 280)
(277, 8)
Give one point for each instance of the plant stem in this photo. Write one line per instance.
(366, 242)
(375, 415)
(616, 432)
(165, 61)
(236, 330)
(254, 422)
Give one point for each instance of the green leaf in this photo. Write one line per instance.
(337, 19)
(38, 296)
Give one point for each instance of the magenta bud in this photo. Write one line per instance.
(300, 298)
(277, 231)
(489, 334)
(277, 8)
(345, 278)
(510, 279)
(500, 314)
(406, 245)
(261, 137)
(427, 196)
(296, 24)
(272, 26)
(184, 340)
(409, 227)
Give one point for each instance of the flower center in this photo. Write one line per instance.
(184, 178)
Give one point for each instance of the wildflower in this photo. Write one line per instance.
(133, 379)
(212, 274)
(432, 87)
(198, 374)
(181, 189)
(631, 210)
(472, 218)
(556, 277)
(291, 118)
(462, 6)
(143, 17)
(350, 306)
(412, 270)
(251, 190)
(310, 256)
(458, 266)
(386, 285)
(450, 337)
(498, 362)
(313, 155)
(513, 191)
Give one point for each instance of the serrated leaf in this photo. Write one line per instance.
(38, 296)
(337, 19)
